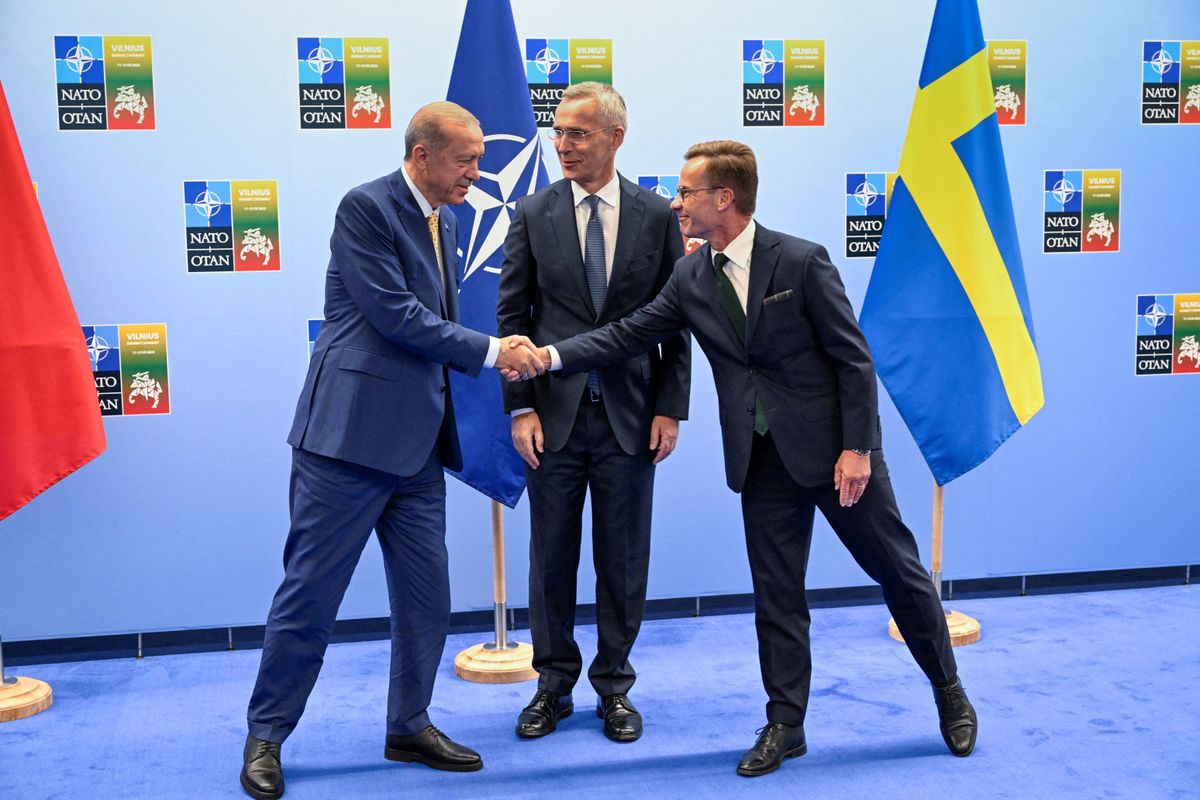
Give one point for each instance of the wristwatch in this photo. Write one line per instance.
(858, 452)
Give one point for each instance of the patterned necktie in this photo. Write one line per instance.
(593, 265)
(434, 233)
(737, 316)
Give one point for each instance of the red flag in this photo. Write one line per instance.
(49, 411)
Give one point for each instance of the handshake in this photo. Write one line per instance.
(520, 359)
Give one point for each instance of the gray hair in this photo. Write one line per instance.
(428, 126)
(609, 101)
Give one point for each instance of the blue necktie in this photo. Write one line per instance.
(593, 265)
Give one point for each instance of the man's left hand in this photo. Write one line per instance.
(850, 476)
(664, 432)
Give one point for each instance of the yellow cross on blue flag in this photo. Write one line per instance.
(947, 312)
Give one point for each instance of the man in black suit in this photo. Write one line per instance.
(586, 250)
(373, 429)
(797, 394)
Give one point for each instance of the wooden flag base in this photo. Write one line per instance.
(486, 663)
(964, 630)
(24, 698)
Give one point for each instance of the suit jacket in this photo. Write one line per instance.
(804, 356)
(544, 295)
(376, 392)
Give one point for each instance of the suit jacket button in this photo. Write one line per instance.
(753, 371)
(749, 409)
(443, 390)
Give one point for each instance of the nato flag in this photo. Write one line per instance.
(489, 81)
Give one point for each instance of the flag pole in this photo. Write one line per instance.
(497, 661)
(21, 697)
(964, 630)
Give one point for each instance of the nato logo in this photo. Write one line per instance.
(762, 82)
(322, 74)
(1063, 211)
(104, 351)
(866, 212)
(1155, 326)
(209, 217)
(1160, 82)
(79, 75)
(548, 74)
(664, 186)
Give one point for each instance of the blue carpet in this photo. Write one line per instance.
(1079, 696)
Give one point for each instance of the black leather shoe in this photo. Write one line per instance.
(542, 714)
(434, 749)
(262, 774)
(622, 722)
(956, 718)
(775, 742)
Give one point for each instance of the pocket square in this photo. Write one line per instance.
(775, 298)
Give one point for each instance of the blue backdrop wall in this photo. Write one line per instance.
(181, 523)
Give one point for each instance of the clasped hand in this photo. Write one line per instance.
(520, 359)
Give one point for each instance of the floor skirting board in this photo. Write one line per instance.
(155, 643)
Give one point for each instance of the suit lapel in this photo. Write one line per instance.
(764, 258)
(418, 230)
(629, 230)
(707, 280)
(562, 214)
(450, 259)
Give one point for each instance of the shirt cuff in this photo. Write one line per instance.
(555, 361)
(516, 412)
(493, 352)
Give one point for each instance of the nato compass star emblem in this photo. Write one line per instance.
(79, 60)
(1063, 191)
(207, 203)
(762, 61)
(1161, 61)
(320, 60)
(494, 196)
(547, 61)
(865, 194)
(98, 350)
(1155, 315)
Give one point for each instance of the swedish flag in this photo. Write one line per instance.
(947, 312)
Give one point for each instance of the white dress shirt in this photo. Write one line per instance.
(738, 266)
(609, 209)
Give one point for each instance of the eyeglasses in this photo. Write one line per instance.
(573, 134)
(684, 193)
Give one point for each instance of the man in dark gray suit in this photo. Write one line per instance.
(800, 426)
(374, 428)
(586, 250)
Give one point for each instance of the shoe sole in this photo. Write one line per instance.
(406, 757)
(568, 711)
(751, 773)
(256, 793)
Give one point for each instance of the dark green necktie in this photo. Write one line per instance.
(737, 317)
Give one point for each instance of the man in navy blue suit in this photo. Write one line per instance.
(800, 428)
(374, 428)
(586, 250)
